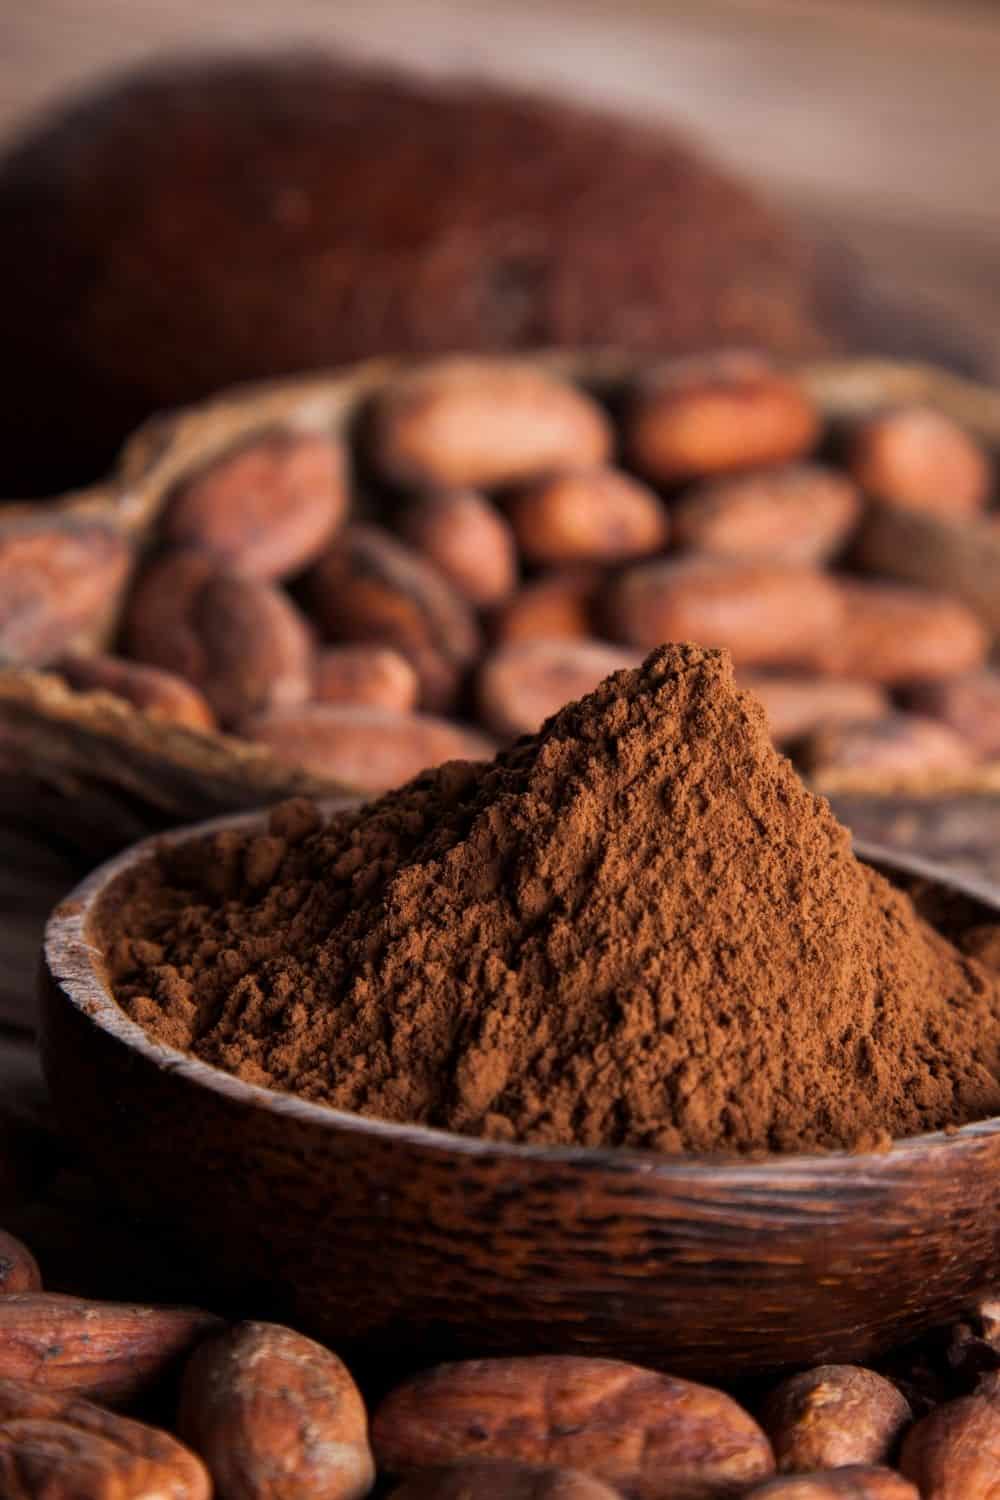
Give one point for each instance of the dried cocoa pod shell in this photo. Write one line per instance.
(954, 1452)
(91, 769)
(522, 684)
(648, 1435)
(597, 515)
(502, 1480)
(893, 634)
(800, 513)
(110, 1351)
(716, 413)
(370, 587)
(241, 642)
(465, 537)
(60, 579)
(832, 1416)
(746, 607)
(65, 1448)
(854, 1483)
(558, 606)
(372, 675)
(266, 509)
(275, 1417)
(798, 705)
(917, 458)
(481, 422)
(162, 695)
(370, 749)
(18, 1268)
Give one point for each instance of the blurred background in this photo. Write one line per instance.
(878, 119)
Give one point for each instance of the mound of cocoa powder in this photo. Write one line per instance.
(635, 928)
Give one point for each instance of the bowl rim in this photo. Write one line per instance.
(72, 963)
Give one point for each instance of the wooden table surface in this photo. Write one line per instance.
(879, 121)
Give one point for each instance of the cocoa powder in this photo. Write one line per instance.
(634, 928)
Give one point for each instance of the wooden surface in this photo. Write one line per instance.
(878, 121)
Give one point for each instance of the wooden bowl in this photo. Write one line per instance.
(417, 1243)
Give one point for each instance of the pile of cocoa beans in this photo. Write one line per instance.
(494, 541)
(257, 1411)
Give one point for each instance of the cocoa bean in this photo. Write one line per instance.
(499, 1480)
(649, 1435)
(265, 510)
(559, 606)
(797, 514)
(969, 704)
(467, 539)
(764, 613)
(275, 1417)
(59, 579)
(241, 642)
(797, 705)
(832, 1416)
(484, 422)
(716, 413)
(18, 1268)
(522, 684)
(161, 694)
(895, 634)
(372, 675)
(595, 515)
(919, 459)
(901, 743)
(364, 749)
(371, 588)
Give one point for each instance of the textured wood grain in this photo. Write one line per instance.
(411, 1239)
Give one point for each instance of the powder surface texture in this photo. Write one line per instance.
(637, 927)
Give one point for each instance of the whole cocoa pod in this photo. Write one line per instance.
(855, 1483)
(373, 675)
(797, 514)
(60, 1448)
(369, 587)
(920, 459)
(954, 1452)
(18, 1268)
(59, 580)
(896, 634)
(798, 705)
(265, 510)
(715, 413)
(832, 1416)
(276, 1417)
(747, 607)
(558, 606)
(595, 515)
(111, 1351)
(649, 1435)
(522, 684)
(161, 694)
(467, 539)
(368, 749)
(241, 642)
(497, 1479)
(483, 422)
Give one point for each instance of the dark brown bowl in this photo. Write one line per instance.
(419, 1242)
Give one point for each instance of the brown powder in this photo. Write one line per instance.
(636, 927)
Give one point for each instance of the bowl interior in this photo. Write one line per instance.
(74, 953)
